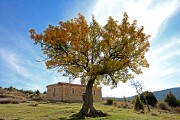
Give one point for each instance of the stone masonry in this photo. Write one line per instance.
(70, 92)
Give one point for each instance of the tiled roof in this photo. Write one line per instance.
(62, 83)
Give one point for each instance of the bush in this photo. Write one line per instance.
(37, 99)
(172, 100)
(2, 96)
(125, 99)
(177, 109)
(109, 101)
(162, 105)
(11, 88)
(15, 101)
(37, 92)
(138, 105)
(150, 98)
(33, 104)
(9, 100)
(133, 100)
(27, 91)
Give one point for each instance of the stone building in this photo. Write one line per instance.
(68, 92)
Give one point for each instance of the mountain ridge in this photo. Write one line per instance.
(160, 95)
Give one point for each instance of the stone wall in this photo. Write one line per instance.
(70, 92)
(57, 95)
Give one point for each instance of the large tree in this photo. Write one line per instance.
(97, 54)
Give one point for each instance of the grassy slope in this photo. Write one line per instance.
(64, 111)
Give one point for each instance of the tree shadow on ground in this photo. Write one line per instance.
(62, 118)
(75, 116)
(78, 116)
(72, 118)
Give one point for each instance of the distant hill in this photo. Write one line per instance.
(160, 95)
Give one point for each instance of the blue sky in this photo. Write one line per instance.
(18, 55)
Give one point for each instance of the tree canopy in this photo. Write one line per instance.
(81, 50)
(149, 96)
(172, 100)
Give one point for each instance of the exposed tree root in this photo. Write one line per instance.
(94, 113)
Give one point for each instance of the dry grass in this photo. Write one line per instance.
(124, 105)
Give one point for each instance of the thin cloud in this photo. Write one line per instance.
(148, 14)
(26, 75)
(162, 67)
(172, 44)
(13, 63)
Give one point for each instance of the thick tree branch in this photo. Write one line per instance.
(85, 68)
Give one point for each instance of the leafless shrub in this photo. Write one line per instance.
(177, 109)
(9, 100)
(33, 104)
(163, 106)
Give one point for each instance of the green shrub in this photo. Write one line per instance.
(125, 100)
(109, 101)
(171, 100)
(138, 105)
(37, 92)
(162, 105)
(27, 91)
(11, 88)
(150, 98)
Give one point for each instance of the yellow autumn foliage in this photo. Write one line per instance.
(110, 52)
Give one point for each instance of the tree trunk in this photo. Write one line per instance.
(88, 108)
(147, 104)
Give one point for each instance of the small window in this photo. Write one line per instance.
(54, 92)
(94, 92)
(72, 90)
